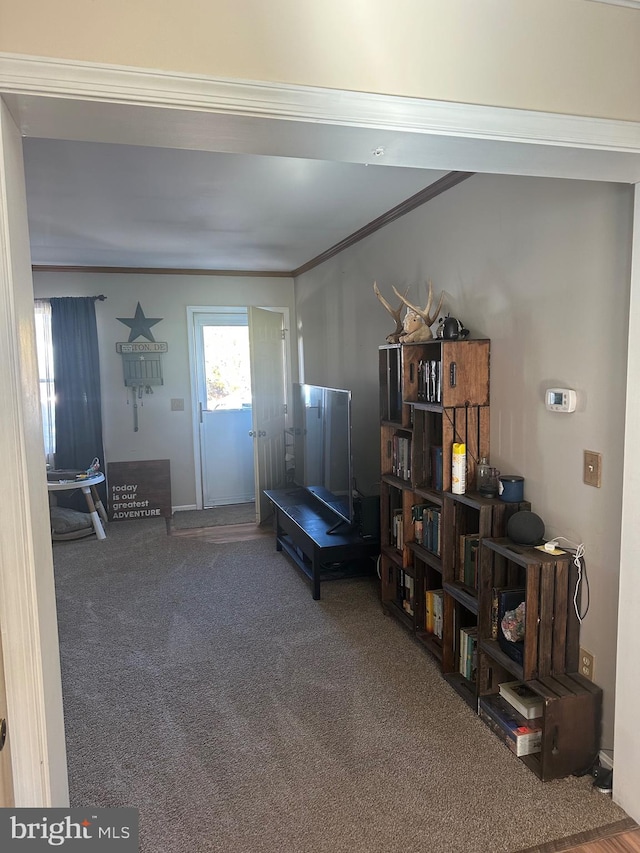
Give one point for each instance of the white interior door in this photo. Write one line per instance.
(6, 781)
(224, 407)
(267, 345)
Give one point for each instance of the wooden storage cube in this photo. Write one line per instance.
(471, 514)
(571, 722)
(425, 525)
(551, 637)
(396, 454)
(447, 372)
(571, 718)
(428, 461)
(429, 613)
(398, 590)
(390, 377)
(470, 425)
(459, 618)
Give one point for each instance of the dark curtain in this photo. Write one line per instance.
(76, 368)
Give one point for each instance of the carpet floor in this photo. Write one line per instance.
(216, 516)
(204, 686)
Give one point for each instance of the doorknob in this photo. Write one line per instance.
(252, 433)
(261, 433)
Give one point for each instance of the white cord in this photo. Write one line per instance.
(577, 562)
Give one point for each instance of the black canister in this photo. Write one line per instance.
(511, 488)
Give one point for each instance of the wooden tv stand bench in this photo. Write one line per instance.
(301, 523)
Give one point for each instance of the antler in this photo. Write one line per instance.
(425, 312)
(394, 337)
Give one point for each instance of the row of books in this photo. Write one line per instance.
(469, 652)
(434, 611)
(522, 735)
(401, 456)
(429, 381)
(397, 529)
(427, 526)
(406, 592)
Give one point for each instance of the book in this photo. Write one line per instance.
(468, 550)
(517, 748)
(407, 592)
(417, 513)
(434, 604)
(470, 557)
(438, 612)
(468, 652)
(523, 736)
(522, 698)
(436, 467)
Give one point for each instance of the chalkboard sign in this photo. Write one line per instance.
(139, 490)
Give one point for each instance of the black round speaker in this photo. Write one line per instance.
(525, 528)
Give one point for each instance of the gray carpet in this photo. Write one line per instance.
(204, 686)
(215, 517)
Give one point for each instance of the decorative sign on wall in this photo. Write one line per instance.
(141, 361)
(139, 489)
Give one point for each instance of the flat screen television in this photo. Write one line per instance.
(322, 447)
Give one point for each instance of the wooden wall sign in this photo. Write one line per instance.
(139, 489)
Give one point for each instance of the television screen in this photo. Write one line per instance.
(322, 446)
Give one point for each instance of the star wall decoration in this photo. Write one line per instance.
(140, 325)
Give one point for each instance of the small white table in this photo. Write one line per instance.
(87, 486)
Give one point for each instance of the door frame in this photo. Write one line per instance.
(192, 311)
(94, 102)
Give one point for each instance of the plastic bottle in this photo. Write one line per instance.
(459, 469)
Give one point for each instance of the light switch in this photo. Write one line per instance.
(592, 468)
(177, 405)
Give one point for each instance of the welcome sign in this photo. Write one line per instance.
(140, 489)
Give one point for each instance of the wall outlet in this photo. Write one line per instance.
(177, 404)
(586, 664)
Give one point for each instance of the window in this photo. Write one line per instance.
(45, 373)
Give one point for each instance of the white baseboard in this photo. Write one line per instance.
(606, 760)
(183, 508)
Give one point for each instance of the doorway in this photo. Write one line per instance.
(223, 379)
(240, 375)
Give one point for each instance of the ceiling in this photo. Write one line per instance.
(163, 173)
(114, 205)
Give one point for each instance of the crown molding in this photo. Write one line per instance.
(41, 76)
(633, 4)
(159, 271)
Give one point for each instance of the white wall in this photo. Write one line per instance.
(541, 267)
(565, 56)
(162, 434)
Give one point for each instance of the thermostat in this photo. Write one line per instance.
(560, 399)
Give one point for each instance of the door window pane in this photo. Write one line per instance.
(227, 367)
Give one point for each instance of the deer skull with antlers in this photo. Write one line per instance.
(418, 321)
(393, 337)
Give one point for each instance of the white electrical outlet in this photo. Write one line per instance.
(586, 664)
